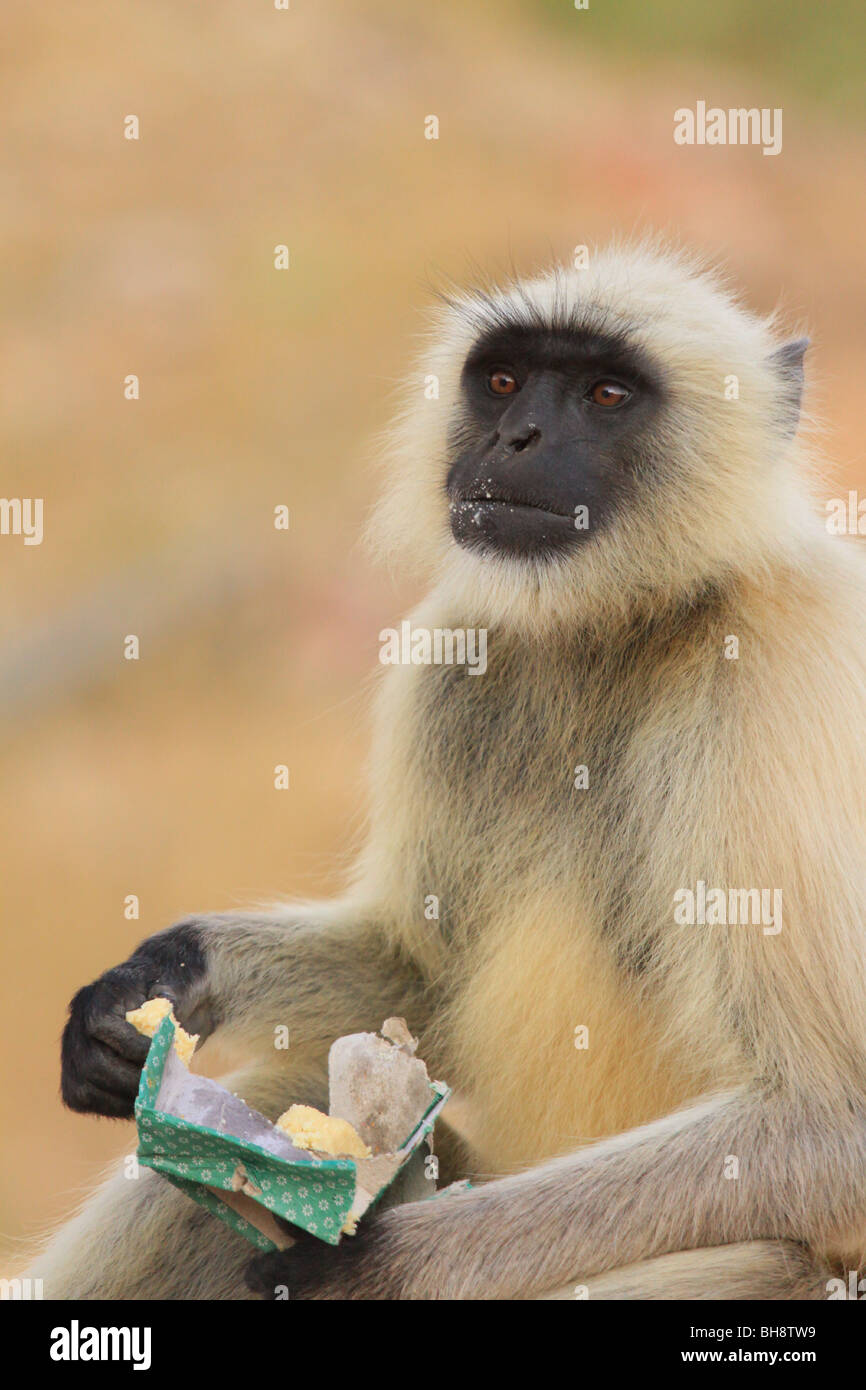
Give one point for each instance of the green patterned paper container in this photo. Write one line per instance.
(244, 1170)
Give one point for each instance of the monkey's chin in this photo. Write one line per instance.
(511, 529)
(532, 594)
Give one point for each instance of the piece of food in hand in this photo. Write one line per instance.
(148, 1018)
(379, 1084)
(310, 1129)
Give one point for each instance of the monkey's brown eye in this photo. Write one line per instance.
(502, 382)
(608, 393)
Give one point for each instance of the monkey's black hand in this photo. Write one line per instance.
(312, 1269)
(361, 1267)
(101, 1054)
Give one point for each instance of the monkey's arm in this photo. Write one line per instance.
(664, 1187)
(312, 970)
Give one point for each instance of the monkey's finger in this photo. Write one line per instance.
(100, 1012)
(312, 1269)
(297, 1272)
(89, 1100)
(262, 1275)
(110, 1072)
(120, 1038)
(95, 1080)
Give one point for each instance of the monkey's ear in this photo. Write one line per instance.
(787, 362)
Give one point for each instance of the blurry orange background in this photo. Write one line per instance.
(260, 387)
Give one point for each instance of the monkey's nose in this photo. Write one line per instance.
(523, 438)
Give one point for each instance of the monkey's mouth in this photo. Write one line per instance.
(510, 526)
(514, 503)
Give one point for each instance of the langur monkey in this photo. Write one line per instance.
(566, 880)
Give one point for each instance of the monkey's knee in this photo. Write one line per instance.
(761, 1269)
(138, 1237)
(141, 1238)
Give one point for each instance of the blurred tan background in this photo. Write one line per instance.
(155, 257)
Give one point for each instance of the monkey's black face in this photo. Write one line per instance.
(552, 436)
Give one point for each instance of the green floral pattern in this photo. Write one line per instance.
(315, 1194)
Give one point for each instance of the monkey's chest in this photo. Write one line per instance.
(532, 838)
(509, 782)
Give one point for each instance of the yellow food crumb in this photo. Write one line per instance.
(310, 1129)
(148, 1018)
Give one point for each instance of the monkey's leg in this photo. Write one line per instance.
(143, 1239)
(762, 1269)
(650, 1192)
